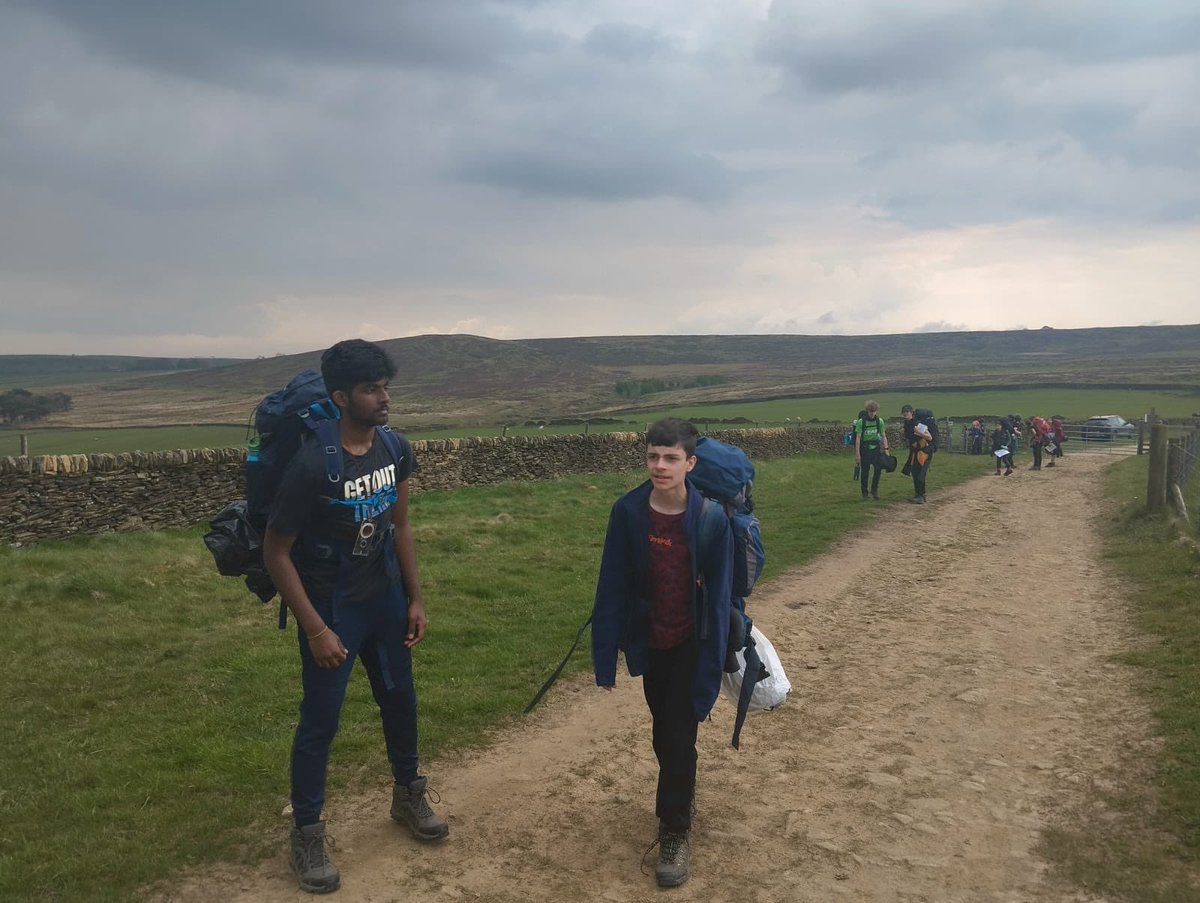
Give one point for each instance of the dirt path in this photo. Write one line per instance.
(945, 712)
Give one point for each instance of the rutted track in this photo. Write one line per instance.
(948, 706)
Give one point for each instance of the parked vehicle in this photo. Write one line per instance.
(1106, 427)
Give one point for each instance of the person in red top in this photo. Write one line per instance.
(1058, 429)
(1039, 428)
(663, 598)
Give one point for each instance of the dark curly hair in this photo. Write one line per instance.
(354, 361)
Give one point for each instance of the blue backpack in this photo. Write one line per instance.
(725, 474)
(282, 420)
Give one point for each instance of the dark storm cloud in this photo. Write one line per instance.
(220, 39)
(897, 48)
(599, 173)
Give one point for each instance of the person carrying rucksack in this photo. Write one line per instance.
(1001, 439)
(920, 435)
(1039, 429)
(342, 556)
(663, 598)
(870, 442)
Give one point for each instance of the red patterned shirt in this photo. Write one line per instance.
(670, 578)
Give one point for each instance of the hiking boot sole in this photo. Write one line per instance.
(671, 880)
(310, 888)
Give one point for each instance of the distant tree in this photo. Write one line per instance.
(23, 406)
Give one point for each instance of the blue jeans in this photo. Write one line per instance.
(373, 632)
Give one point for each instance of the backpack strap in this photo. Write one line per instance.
(755, 671)
(557, 671)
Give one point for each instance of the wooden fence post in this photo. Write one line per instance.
(1156, 482)
(24, 446)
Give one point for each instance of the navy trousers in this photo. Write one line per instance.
(373, 632)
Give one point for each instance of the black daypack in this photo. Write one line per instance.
(282, 421)
(925, 416)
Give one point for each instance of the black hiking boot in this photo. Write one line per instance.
(410, 807)
(673, 855)
(875, 495)
(310, 860)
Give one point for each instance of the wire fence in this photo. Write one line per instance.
(1182, 458)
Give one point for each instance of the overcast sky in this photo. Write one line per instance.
(246, 177)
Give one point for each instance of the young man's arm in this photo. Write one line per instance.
(857, 441)
(406, 555)
(325, 645)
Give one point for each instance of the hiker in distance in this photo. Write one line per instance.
(663, 598)
(343, 559)
(920, 452)
(870, 442)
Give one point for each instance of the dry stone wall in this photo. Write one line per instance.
(54, 496)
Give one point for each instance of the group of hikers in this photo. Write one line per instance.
(1043, 436)
(338, 547)
(872, 454)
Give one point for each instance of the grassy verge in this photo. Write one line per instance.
(1143, 844)
(148, 704)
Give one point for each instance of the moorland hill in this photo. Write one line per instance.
(448, 380)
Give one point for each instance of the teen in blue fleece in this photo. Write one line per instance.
(664, 601)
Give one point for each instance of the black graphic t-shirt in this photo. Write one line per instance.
(326, 533)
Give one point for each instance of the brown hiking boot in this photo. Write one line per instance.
(673, 855)
(310, 860)
(410, 807)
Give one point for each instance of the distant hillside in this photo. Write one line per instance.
(448, 380)
(67, 365)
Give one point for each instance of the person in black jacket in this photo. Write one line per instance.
(920, 452)
(1001, 441)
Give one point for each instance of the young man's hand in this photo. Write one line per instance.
(327, 650)
(416, 624)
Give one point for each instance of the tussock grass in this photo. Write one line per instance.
(148, 704)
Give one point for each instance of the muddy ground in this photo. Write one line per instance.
(955, 694)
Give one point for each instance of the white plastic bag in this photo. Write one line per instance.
(768, 693)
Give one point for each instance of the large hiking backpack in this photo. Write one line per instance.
(282, 420)
(925, 416)
(725, 474)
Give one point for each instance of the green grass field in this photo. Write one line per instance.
(1074, 404)
(151, 702)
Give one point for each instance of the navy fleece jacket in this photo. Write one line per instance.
(621, 615)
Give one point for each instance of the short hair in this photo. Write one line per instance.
(673, 431)
(354, 361)
(872, 407)
(906, 409)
